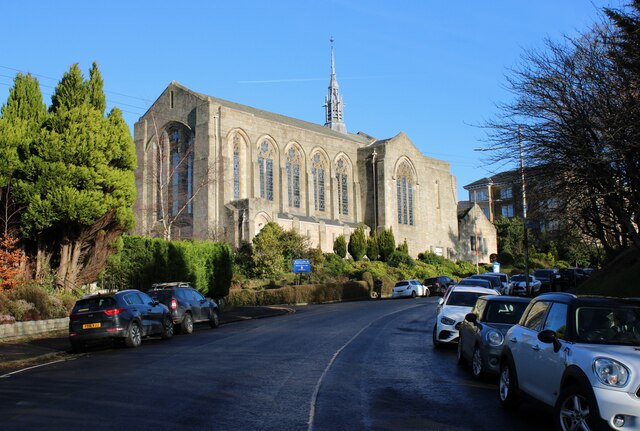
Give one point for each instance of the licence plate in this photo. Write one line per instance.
(91, 325)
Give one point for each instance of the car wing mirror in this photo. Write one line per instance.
(440, 301)
(548, 336)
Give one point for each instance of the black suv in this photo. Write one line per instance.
(186, 305)
(549, 277)
(438, 285)
(571, 277)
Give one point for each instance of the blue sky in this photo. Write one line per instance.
(434, 70)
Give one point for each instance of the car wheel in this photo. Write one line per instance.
(413, 294)
(508, 386)
(576, 408)
(436, 343)
(461, 359)
(476, 363)
(187, 324)
(215, 319)
(167, 328)
(134, 337)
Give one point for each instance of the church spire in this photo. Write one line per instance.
(333, 102)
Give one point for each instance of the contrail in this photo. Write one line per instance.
(343, 78)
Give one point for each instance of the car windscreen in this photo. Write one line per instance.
(517, 278)
(475, 282)
(504, 312)
(463, 299)
(161, 295)
(95, 303)
(543, 273)
(608, 325)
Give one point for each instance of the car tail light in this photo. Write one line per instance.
(113, 311)
(73, 317)
(174, 304)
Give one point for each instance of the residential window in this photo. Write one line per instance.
(507, 211)
(481, 196)
(486, 212)
(506, 193)
(342, 182)
(472, 242)
(265, 165)
(293, 178)
(317, 171)
(404, 195)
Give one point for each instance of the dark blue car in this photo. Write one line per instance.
(128, 316)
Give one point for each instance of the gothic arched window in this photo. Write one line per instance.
(404, 191)
(293, 178)
(236, 167)
(318, 173)
(175, 172)
(265, 165)
(342, 182)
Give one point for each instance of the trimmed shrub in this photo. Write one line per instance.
(304, 294)
(398, 258)
(340, 246)
(386, 244)
(373, 251)
(358, 244)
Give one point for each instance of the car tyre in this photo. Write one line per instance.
(576, 408)
(476, 363)
(167, 328)
(461, 360)
(508, 386)
(413, 294)
(134, 336)
(436, 343)
(187, 324)
(214, 322)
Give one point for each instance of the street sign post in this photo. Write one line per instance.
(301, 265)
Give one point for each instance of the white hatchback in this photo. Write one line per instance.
(579, 355)
(451, 310)
(409, 289)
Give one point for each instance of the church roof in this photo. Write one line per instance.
(294, 122)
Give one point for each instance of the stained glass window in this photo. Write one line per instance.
(265, 165)
(293, 178)
(404, 191)
(342, 181)
(317, 171)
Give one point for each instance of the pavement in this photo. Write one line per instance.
(18, 354)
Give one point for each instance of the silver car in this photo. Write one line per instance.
(482, 332)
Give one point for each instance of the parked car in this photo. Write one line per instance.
(409, 289)
(504, 278)
(519, 285)
(438, 285)
(549, 278)
(451, 310)
(496, 282)
(477, 282)
(186, 305)
(483, 329)
(128, 315)
(578, 355)
(571, 277)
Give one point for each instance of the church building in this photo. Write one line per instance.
(214, 169)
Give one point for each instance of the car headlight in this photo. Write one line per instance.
(611, 372)
(447, 321)
(495, 338)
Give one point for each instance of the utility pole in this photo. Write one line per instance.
(524, 211)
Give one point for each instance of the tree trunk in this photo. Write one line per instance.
(65, 259)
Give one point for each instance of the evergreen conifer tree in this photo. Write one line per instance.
(358, 244)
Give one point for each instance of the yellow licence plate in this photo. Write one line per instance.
(91, 325)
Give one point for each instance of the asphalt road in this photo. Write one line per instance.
(365, 365)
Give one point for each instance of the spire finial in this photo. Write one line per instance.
(333, 102)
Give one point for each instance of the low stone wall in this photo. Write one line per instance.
(34, 327)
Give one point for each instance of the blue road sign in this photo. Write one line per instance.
(301, 265)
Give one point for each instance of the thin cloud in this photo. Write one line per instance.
(341, 78)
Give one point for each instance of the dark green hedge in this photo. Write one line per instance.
(143, 261)
(304, 294)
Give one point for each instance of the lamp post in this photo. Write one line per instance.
(524, 211)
